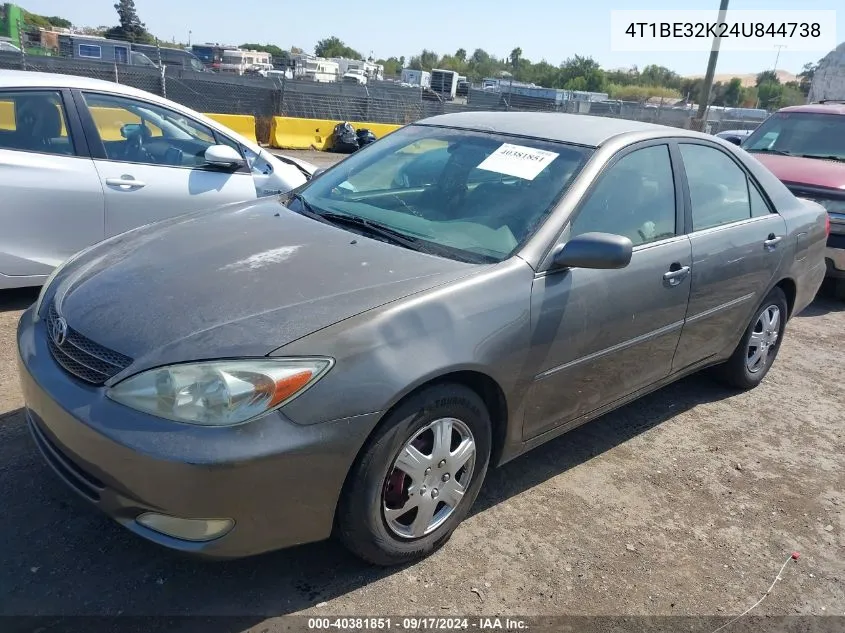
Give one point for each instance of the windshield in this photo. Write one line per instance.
(470, 195)
(800, 134)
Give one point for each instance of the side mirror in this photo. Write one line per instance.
(594, 250)
(224, 156)
(734, 139)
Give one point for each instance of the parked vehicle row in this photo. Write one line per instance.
(351, 357)
(82, 160)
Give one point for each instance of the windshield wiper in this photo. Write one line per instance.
(824, 157)
(372, 227)
(768, 150)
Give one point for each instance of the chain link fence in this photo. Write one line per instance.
(376, 102)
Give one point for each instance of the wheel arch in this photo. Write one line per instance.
(485, 386)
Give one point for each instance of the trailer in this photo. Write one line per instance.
(444, 83)
(418, 78)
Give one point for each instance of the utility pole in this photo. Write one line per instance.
(777, 57)
(704, 99)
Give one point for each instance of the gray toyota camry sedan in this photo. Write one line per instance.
(351, 358)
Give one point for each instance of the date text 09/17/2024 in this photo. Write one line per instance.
(416, 624)
(723, 30)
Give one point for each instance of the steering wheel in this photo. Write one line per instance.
(134, 150)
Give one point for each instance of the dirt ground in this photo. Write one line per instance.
(685, 503)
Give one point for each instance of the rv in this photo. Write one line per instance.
(444, 83)
(418, 78)
(171, 57)
(370, 71)
(239, 61)
(316, 69)
(100, 49)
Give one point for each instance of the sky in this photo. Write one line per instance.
(544, 29)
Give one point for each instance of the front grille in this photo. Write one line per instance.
(82, 357)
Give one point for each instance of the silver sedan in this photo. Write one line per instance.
(83, 159)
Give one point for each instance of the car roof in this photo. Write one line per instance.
(579, 129)
(832, 107)
(30, 79)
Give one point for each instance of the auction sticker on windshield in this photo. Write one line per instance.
(518, 160)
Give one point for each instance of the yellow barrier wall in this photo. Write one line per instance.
(294, 133)
(7, 115)
(241, 123)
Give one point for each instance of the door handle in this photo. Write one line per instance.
(773, 241)
(675, 274)
(125, 182)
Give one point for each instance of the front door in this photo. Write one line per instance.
(737, 240)
(52, 201)
(151, 161)
(600, 335)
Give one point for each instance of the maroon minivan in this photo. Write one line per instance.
(804, 146)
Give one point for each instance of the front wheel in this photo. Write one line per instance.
(417, 477)
(760, 343)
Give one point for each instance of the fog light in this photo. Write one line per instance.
(186, 529)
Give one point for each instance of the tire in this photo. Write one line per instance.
(374, 484)
(837, 289)
(736, 372)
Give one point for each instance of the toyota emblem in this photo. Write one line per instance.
(59, 331)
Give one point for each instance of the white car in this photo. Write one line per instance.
(83, 159)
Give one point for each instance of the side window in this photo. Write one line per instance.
(634, 198)
(140, 132)
(718, 187)
(34, 122)
(759, 206)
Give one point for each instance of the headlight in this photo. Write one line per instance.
(219, 393)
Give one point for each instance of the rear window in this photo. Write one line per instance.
(807, 134)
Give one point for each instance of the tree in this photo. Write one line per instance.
(585, 67)
(769, 94)
(461, 54)
(130, 28)
(334, 47)
(767, 76)
(392, 66)
(295, 50)
(654, 75)
(805, 77)
(515, 56)
(426, 60)
(733, 93)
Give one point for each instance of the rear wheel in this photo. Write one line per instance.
(417, 477)
(757, 350)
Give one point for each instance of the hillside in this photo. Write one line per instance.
(748, 79)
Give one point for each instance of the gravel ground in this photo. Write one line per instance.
(685, 503)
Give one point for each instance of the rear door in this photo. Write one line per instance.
(151, 162)
(52, 201)
(737, 245)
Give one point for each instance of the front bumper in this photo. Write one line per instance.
(279, 481)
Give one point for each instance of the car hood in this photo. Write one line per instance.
(795, 170)
(241, 281)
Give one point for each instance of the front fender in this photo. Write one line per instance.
(480, 323)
